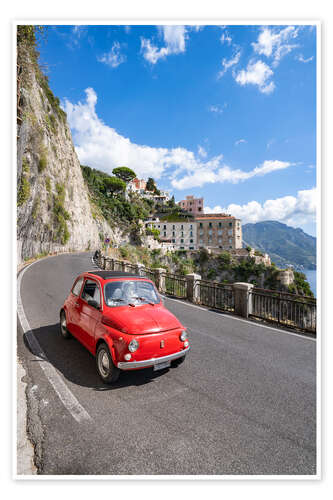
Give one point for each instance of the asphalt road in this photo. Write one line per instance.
(243, 402)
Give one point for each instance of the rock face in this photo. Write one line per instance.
(54, 212)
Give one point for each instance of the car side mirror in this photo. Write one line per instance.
(93, 303)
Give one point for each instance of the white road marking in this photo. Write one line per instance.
(65, 395)
(242, 320)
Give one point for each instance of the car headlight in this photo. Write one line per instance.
(183, 336)
(133, 345)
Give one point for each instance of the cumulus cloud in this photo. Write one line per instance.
(101, 147)
(291, 210)
(174, 38)
(275, 43)
(257, 73)
(228, 63)
(214, 171)
(114, 57)
(240, 141)
(226, 38)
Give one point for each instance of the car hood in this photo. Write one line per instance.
(141, 320)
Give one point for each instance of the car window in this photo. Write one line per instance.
(77, 287)
(120, 293)
(91, 291)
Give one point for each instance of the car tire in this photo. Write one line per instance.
(108, 372)
(178, 361)
(63, 326)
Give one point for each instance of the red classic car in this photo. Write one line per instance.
(120, 318)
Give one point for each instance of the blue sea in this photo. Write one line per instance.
(311, 277)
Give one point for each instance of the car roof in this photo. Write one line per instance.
(107, 275)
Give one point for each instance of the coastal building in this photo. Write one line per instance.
(192, 205)
(137, 186)
(222, 231)
(177, 235)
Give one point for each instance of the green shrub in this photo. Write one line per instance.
(24, 190)
(60, 215)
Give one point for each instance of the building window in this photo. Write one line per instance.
(173, 227)
(219, 231)
(230, 232)
(200, 225)
(182, 227)
(164, 233)
(220, 224)
(210, 231)
(191, 233)
(199, 209)
(173, 233)
(173, 241)
(191, 241)
(182, 241)
(182, 234)
(182, 248)
(164, 227)
(230, 224)
(210, 224)
(191, 227)
(199, 202)
(201, 242)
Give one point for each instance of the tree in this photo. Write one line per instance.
(151, 186)
(114, 185)
(124, 173)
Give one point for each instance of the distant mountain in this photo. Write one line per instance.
(284, 244)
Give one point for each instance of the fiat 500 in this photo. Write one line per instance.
(120, 318)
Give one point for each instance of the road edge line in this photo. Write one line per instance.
(64, 393)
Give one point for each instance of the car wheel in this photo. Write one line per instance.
(63, 326)
(178, 361)
(108, 372)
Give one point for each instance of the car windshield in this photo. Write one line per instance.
(121, 293)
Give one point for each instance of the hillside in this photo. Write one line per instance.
(54, 211)
(285, 245)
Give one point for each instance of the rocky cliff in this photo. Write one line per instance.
(54, 212)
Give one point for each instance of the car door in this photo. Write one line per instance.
(73, 305)
(90, 315)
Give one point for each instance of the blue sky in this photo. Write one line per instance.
(223, 112)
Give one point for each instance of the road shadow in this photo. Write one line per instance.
(78, 366)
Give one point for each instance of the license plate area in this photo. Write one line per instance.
(160, 366)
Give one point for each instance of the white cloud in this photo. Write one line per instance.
(226, 38)
(228, 63)
(240, 141)
(101, 147)
(270, 143)
(256, 73)
(174, 39)
(202, 152)
(291, 210)
(301, 58)
(214, 171)
(275, 43)
(114, 57)
(215, 108)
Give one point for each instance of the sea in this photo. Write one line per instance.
(311, 277)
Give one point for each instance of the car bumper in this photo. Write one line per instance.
(130, 365)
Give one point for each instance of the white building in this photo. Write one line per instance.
(181, 235)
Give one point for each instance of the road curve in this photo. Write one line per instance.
(243, 403)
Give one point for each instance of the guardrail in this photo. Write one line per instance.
(284, 309)
(216, 295)
(175, 285)
(243, 299)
